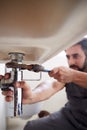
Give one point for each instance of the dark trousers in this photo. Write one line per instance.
(55, 121)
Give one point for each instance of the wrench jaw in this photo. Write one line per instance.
(16, 75)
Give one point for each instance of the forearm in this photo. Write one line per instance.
(44, 91)
(80, 78)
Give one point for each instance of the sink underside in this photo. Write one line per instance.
(40, 28)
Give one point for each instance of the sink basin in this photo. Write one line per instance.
(41, 28)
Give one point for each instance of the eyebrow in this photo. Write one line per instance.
(75, 54)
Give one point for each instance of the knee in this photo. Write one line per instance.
(28, 126)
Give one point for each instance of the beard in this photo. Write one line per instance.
(83, 68)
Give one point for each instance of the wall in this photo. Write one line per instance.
(2, 105)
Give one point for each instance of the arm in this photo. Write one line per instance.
(80, 78)
(42, 92)
(45, 90)
(67, 75)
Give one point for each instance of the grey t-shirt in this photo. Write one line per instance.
(77, 96)
(76, 108)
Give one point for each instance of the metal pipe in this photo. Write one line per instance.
(6, 84)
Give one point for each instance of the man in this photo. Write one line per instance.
(73, 116)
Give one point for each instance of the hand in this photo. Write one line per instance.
(62, 74)
(9, 93)
(27, 92)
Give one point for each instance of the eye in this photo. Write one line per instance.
(68, 57)
(75, 56)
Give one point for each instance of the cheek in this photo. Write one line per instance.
(81, 61)
(84, 59)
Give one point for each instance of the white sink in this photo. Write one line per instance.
(40, 28)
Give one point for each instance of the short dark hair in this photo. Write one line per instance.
(83, 44)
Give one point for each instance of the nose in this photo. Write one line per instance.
(71, 61)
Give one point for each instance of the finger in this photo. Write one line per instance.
(53, 72)
(7, 76)
(8, 98)
(59, 78)
(7, 93)
(1, 77)
(22, 84)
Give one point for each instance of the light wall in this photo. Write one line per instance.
(2, 113)
(59, 99)
(2, 105)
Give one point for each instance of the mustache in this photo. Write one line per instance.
(74, 66)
